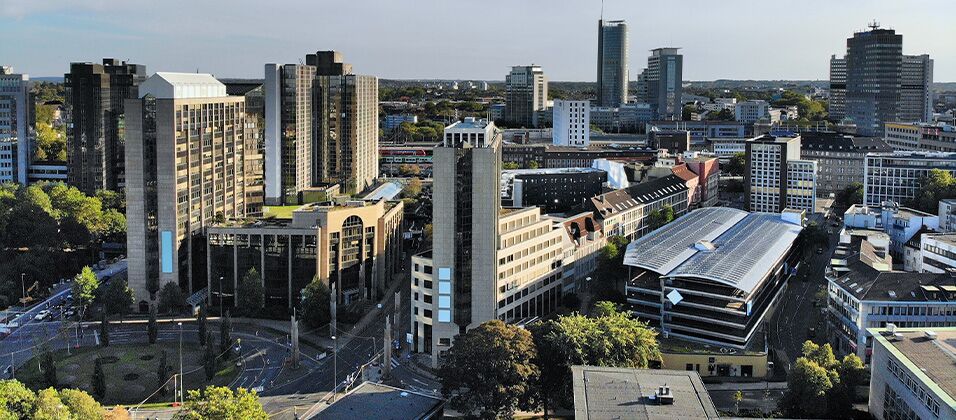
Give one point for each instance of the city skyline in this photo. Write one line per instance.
(45, 36)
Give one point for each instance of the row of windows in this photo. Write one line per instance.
(914, 386)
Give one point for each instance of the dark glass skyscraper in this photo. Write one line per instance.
(663, 78)
(95, 133)
(612, 63)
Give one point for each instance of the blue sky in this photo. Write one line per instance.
(463, 39)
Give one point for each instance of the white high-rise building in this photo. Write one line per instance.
(15, 120)
(751, 111)
(572, 123)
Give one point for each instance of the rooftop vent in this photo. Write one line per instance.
(892, 294)
(930, 335)
(705, 246)
(897, 336)
(663, 396)
(891, 328)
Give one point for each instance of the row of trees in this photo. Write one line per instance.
(496, 369)
(821, 386)
(426, 130)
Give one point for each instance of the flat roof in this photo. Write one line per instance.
(623, 393)
(720, 244)
(378, 401)
(932, 361)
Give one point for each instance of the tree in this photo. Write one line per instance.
(316, 304)
(81, 405)
(852, 194)
(604, 308)
(16, 400)
(217, 402)
(116, 298)
(171, 298)
(935, 186)
(99, 379)
(427, 232)
(84, 287)
(489, 371)
(533, 164)
(152, 330)
(48, 406)
(510, 165)
(738, 397)
(117, 413)
(613, 339)
(820, 386)
(660, 217)
(413, 189)
(225, 336)
(104, 331)
(162, 373)
(409, 169)
(209, 358)
(49, 367)
(201, 324)
(251, 296)
(813, 236)
(737, 164)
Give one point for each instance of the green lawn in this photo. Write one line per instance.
(132, 376)
(279, 212)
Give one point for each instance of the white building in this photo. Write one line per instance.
(901, 223)
(16, 121)
(911, 373)
(8, 160)
(947, 215)
(751, 111)
(938, 252)
(571, 124)
(725, 148)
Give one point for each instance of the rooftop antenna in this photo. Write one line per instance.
(873, 25)
(602, 10)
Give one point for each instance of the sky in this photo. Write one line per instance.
(463, 39)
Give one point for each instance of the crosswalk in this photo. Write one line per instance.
(394, 362)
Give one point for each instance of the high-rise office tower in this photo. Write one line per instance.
(526, 93)
(254, 149)
(837, 88)
(662, 79)
(288, 132)
(185, 170)
(321, 127)
(16, 122)
(612, 63)
(882, 85)
(776, 178)
(95, 96)
(345, 125)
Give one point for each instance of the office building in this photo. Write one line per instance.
(625, 212)
(703, 131)
(321, 127)
(947, 215)
(555, 190)
(937, 253)
(255, 146)
(627, 118)
(751, 111)
(776, 178)
(674, 141)
(355, 246)
(95, 96)
(571, 123)
(16, 120)
(917, 136)
(625, 393)
(901, 223)
(550, 156)
(837, 100)
(881, 84)
(718, 289)
(612, 63)
(185, 142)
(583, 240)
(8, 160)
(393, 121)
(839, 158)
(661, 81)
(49, 171)
(526, 93)
(896, 176)
(911, 374)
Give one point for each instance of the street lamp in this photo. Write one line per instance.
(182, 384)
(220, 295)
(335, 372)
(23, 286)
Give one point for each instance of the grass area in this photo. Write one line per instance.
(131, 370)
(279, 212)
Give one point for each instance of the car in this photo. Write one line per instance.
(69, 312)
(42, 315)
(819, 251)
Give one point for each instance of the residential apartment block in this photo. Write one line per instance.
(571, 123)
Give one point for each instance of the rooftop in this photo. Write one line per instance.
(388, 191)
(826, 140)
(622, 393)
(167, 85)
(378, 401)
(638, 194)
(740, 246)
(868, 277)
(933, 362)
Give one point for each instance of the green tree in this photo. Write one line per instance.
(225, 336)
(852, 194)
(116, 297)
(99, 379)
(48, 406)
(316, 304)
(510, 165)
(222, 403)
(251, 296)
(407, 169)
(16, 400)
(104, 331)
(489, 371)
(737, 164)
(660, 217)
(171, 298)
(201, 324)
(413, 189)
(738, 397)
(81, 405)
(613, 339)
(48, 365)
(209, 358)
(84, 287)
(112, 200)
(813, 236)
(820, 386)
(935, 186)
(604, 308)
(533, 164)
(152, 330)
